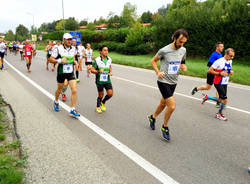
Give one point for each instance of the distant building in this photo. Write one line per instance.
(146, 24)
(102, 27)
(83, 27)
(2, 35)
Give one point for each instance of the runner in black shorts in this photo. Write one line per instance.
(103, 70)
(88, 58)
(172, 58)
(76, 59)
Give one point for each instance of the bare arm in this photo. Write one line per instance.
(211, 70)
(155, 67)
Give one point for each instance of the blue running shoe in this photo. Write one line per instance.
(249, 169)
(151, 122)
(165, 133)
(56, 106)
(73, 113)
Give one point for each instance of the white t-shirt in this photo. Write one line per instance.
(221, 65)
(89, 55)
(20, 47)
(80, 50)
(2, 47)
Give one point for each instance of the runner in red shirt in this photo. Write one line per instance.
(28, 54)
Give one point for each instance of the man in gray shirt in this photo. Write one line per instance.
(172, 59)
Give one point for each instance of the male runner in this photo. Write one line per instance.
(221, 69)
(65, 57)
(77, 59)
(210, 78)
(172, 58)
(103, 70)
(49, 49)
(81, 51)
(21, 50)
(28, 54)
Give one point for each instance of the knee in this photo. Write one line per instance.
(171, 108)
(163, 103)
(209, 87)
(110, 94)
(74, 91)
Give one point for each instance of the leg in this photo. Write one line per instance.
(99, 98)
(170, 102)
(58, 91)
(160, 107)
(72, 84)
(205, 87)
(108, 96)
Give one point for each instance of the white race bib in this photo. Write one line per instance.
(225, 80)
(104, 77)
(50, 52)
(68, 68)
(28, 53)
(173, 67)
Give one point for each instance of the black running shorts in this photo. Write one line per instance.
(61, 77)
(210, 79)
(167, 90)
(88, 63)
(107, 86)
(1, 54)
(222, 90)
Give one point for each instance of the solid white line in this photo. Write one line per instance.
(180, 94)
(150, 168)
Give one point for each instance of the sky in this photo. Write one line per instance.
(15, 12)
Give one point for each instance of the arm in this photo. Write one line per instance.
(155, 67)
(93, 68)
(110, 71)
(211, 70)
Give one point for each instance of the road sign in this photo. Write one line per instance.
(76, 36)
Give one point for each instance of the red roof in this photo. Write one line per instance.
(102, 26)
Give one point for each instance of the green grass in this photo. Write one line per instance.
(196, 67)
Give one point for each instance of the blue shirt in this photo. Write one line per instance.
(214, 56)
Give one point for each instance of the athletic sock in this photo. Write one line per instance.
(98, 102)
(106, 98)
(221, 107)
(27, 66)
(212, 98)
(64, 89)
(152, 117)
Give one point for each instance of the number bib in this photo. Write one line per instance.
(68, 68)
(28, 53)
(50, 52)
(173, 67)
(225, 80)
(104, 77)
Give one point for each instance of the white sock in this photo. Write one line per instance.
(56, 102)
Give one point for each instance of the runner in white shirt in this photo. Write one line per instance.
(81, 51)
(88, 55)
(21, 50)
(2, 51)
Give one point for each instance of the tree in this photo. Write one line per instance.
(146, 17)
(9, 36)
(91, 26)
(71, 24)
(43, 28)
(52, 26)
(83, 23)
(129, 14)
(163, 10)
(22, 33)
(59, 25)
(33, 30)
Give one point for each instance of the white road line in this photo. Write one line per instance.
(146, 165)
(180, 94)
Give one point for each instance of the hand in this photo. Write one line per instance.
(64, 60)
(110, 74)
(231, 72)
(160, 74)
(223, 74)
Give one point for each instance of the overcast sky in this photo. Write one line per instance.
(15, 12)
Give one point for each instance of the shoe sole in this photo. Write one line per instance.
(220, 118)
(76, 117)
(150, 123)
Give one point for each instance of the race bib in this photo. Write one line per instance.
(28, 53)
(104, 77)
(68, 68)
(225, 80)
(50, 52)
(173, 67)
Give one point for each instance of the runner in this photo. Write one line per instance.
(88, 58)
(221, 69)
(28, 54)
(76, 59)
(2, 51)
(21, 50)
(81, 51)
(10, 47)
(103, 70)
(210, 78)
(65, 57)
(172, 58)
(15, 48)
(34, 48)
(49, 49)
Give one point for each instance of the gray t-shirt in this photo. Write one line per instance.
(170, 63)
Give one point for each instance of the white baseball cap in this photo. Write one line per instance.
(54, 42)
(67, 36)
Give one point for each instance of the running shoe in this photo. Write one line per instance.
(29, 70)
(64, 97)
(195, 90)
(98, 110)
(165, 133)
(56, 106)
(151, 122)
(220, 116)
(249, 169)
(103, 107)
(77, 80)
(47, 68)
(204, 98)
(73, 113)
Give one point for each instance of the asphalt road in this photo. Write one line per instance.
(202, 150)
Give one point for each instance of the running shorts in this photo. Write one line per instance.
(210, 79)
(167, 90)
(222, 91)
(1, 54)
(107, 86)
(61, 77)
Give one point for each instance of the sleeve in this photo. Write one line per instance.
(216, 64)
(212, 58)
(55, 52)
(160, 54)
(94, 64)
(184, 56)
